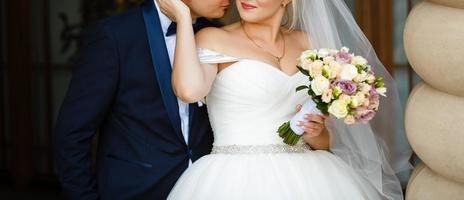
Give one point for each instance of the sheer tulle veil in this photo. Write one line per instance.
(377, 151)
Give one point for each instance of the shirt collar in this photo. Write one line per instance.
(165, 21)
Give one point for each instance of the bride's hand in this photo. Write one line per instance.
(313, 126)
(176, 10)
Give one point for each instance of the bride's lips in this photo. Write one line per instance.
(246, 6)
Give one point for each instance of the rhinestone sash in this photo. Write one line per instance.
(260, 149)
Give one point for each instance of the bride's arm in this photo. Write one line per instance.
(191, 80)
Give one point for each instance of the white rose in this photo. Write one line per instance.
(349, 119)
(358, 60)
(339, 109)
(345, 49)
(348, 72)
(308, 54)
(326, 72)
(382, 91)
(320, 84)
(322, 53)
(336, 91)
(327, 96)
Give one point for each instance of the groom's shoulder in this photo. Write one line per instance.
(128, 21)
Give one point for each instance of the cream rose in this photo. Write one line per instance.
(306, 64)
(327, 96)
(315, 68)
(339, 109)
(329, 59)
(349, 119)
(345, 98)
(348, 72)
(320, 84)
(361, 97)
(365, 88)
(334, 68)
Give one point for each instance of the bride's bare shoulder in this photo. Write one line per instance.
(215, 38)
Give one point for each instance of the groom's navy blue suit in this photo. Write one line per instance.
(121, 88)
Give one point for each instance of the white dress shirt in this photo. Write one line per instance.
(171, 46)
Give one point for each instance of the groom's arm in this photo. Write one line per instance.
(85, 106)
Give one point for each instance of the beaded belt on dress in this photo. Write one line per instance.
(260, 149)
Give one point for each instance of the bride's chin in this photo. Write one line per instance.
(250, 18)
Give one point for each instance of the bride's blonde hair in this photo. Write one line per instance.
(291, 15)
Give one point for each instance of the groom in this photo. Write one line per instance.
(121, 88)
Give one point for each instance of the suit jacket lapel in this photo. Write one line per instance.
(161, 64)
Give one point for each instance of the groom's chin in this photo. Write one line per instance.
(217, 15)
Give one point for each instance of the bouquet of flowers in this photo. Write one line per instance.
(340, 84)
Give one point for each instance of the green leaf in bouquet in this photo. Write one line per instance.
(360, 68)
(323, 107)
(311, 92)
(304, 71)
(379, 84)
(302, 87)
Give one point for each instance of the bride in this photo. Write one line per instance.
(247, 73)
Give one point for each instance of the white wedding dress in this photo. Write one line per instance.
(248, 101)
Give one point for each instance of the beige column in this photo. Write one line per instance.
(434, 43)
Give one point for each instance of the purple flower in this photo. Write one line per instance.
(373, 95)
(343, 57)
(348, 87)
(364, 115)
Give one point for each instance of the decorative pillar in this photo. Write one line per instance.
(434, 44)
